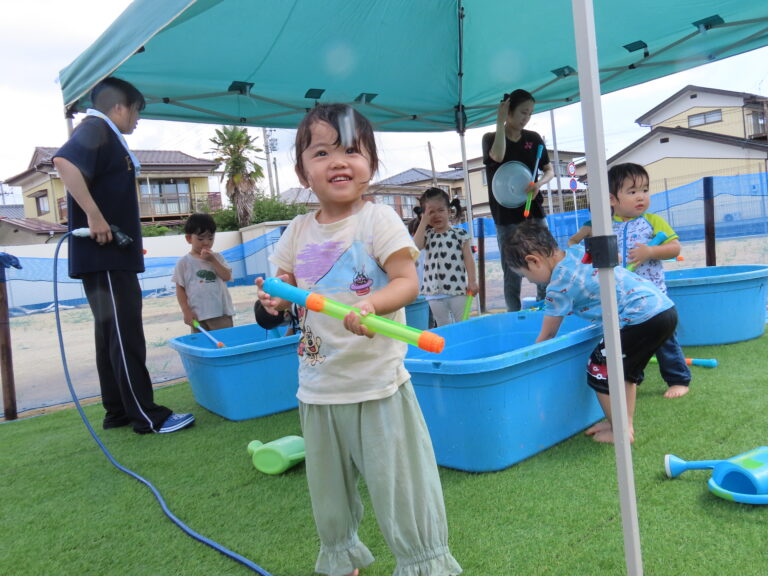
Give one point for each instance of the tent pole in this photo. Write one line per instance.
(592, 118)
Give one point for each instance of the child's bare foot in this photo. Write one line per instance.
(606, 436)
(597, 428)
(355, 572)
(676, 391)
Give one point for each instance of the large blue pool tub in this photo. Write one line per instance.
(254, 374)
(493, 397)
(718, 304)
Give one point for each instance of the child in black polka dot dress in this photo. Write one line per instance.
(449, 268)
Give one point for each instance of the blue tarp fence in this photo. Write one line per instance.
(741, 210)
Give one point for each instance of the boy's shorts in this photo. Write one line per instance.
(639, 343)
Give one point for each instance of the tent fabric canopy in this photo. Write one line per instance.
(406, 65)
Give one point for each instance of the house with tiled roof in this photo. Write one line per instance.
(172, 185)
(700, 131)
(402, 190)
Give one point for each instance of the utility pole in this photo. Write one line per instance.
(432, 162)
(269, 162)
(277, 182)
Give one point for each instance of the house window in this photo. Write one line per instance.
(63, 214)
(41, 202)
(755, 124)
(407, 203)
(705, 118)
(161, 196)
(387, 199)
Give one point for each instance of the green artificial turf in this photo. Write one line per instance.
(66, 510)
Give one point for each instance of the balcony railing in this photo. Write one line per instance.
(153, 206)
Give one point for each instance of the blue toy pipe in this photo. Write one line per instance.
(675, 466)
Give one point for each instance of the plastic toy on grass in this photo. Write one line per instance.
(660, 238)
(218, 343)
(277, 456)
(428, 341)
(706, 362)
(743, 478)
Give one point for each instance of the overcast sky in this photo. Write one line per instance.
(40, 37)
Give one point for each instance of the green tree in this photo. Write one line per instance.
(271, 209)
(234, 148)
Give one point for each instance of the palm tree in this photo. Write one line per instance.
(234, 147)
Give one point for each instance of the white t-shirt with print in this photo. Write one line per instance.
(207, 294)
(344, 261)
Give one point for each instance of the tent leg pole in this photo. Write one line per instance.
(589, 89)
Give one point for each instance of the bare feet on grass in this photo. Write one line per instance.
(676, 391)
(603, 432)
(355, 572)
(597, 428)
(606, 436)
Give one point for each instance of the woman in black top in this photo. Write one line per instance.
(511, 142)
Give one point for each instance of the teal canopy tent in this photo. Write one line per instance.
(407, 64)
(412, 65)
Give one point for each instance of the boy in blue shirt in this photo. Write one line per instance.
(647, 317)
(634, 228)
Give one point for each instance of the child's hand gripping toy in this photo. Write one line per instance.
(528, 200)
(657, 240)
(425, 340)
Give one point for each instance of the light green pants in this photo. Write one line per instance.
(387, 442)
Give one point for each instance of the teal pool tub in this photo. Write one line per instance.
(254, 374)
(718, 304)
(493, 397)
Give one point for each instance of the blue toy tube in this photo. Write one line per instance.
(424, 339)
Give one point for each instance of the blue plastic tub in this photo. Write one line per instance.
(417, 313)
(255, 374)
(493, 397)
(718, 304)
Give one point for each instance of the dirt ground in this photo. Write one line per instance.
(39, 374)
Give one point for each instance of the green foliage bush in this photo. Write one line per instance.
(264, 210)
(152, 231)
(271, 209)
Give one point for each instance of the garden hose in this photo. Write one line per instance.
(186, 529)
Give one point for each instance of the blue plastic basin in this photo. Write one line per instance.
(718, 304)
(255, 374)
(493, 397)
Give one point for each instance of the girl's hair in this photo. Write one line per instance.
(113, 91)
(434, 194)
(517, 97)
(528, 238)
(620, 172)
(363, 139)
(200, 223)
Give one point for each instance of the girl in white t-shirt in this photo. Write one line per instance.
(358, 410)
(449, 267)
(201, 278)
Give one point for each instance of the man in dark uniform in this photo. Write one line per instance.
(100, 173)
